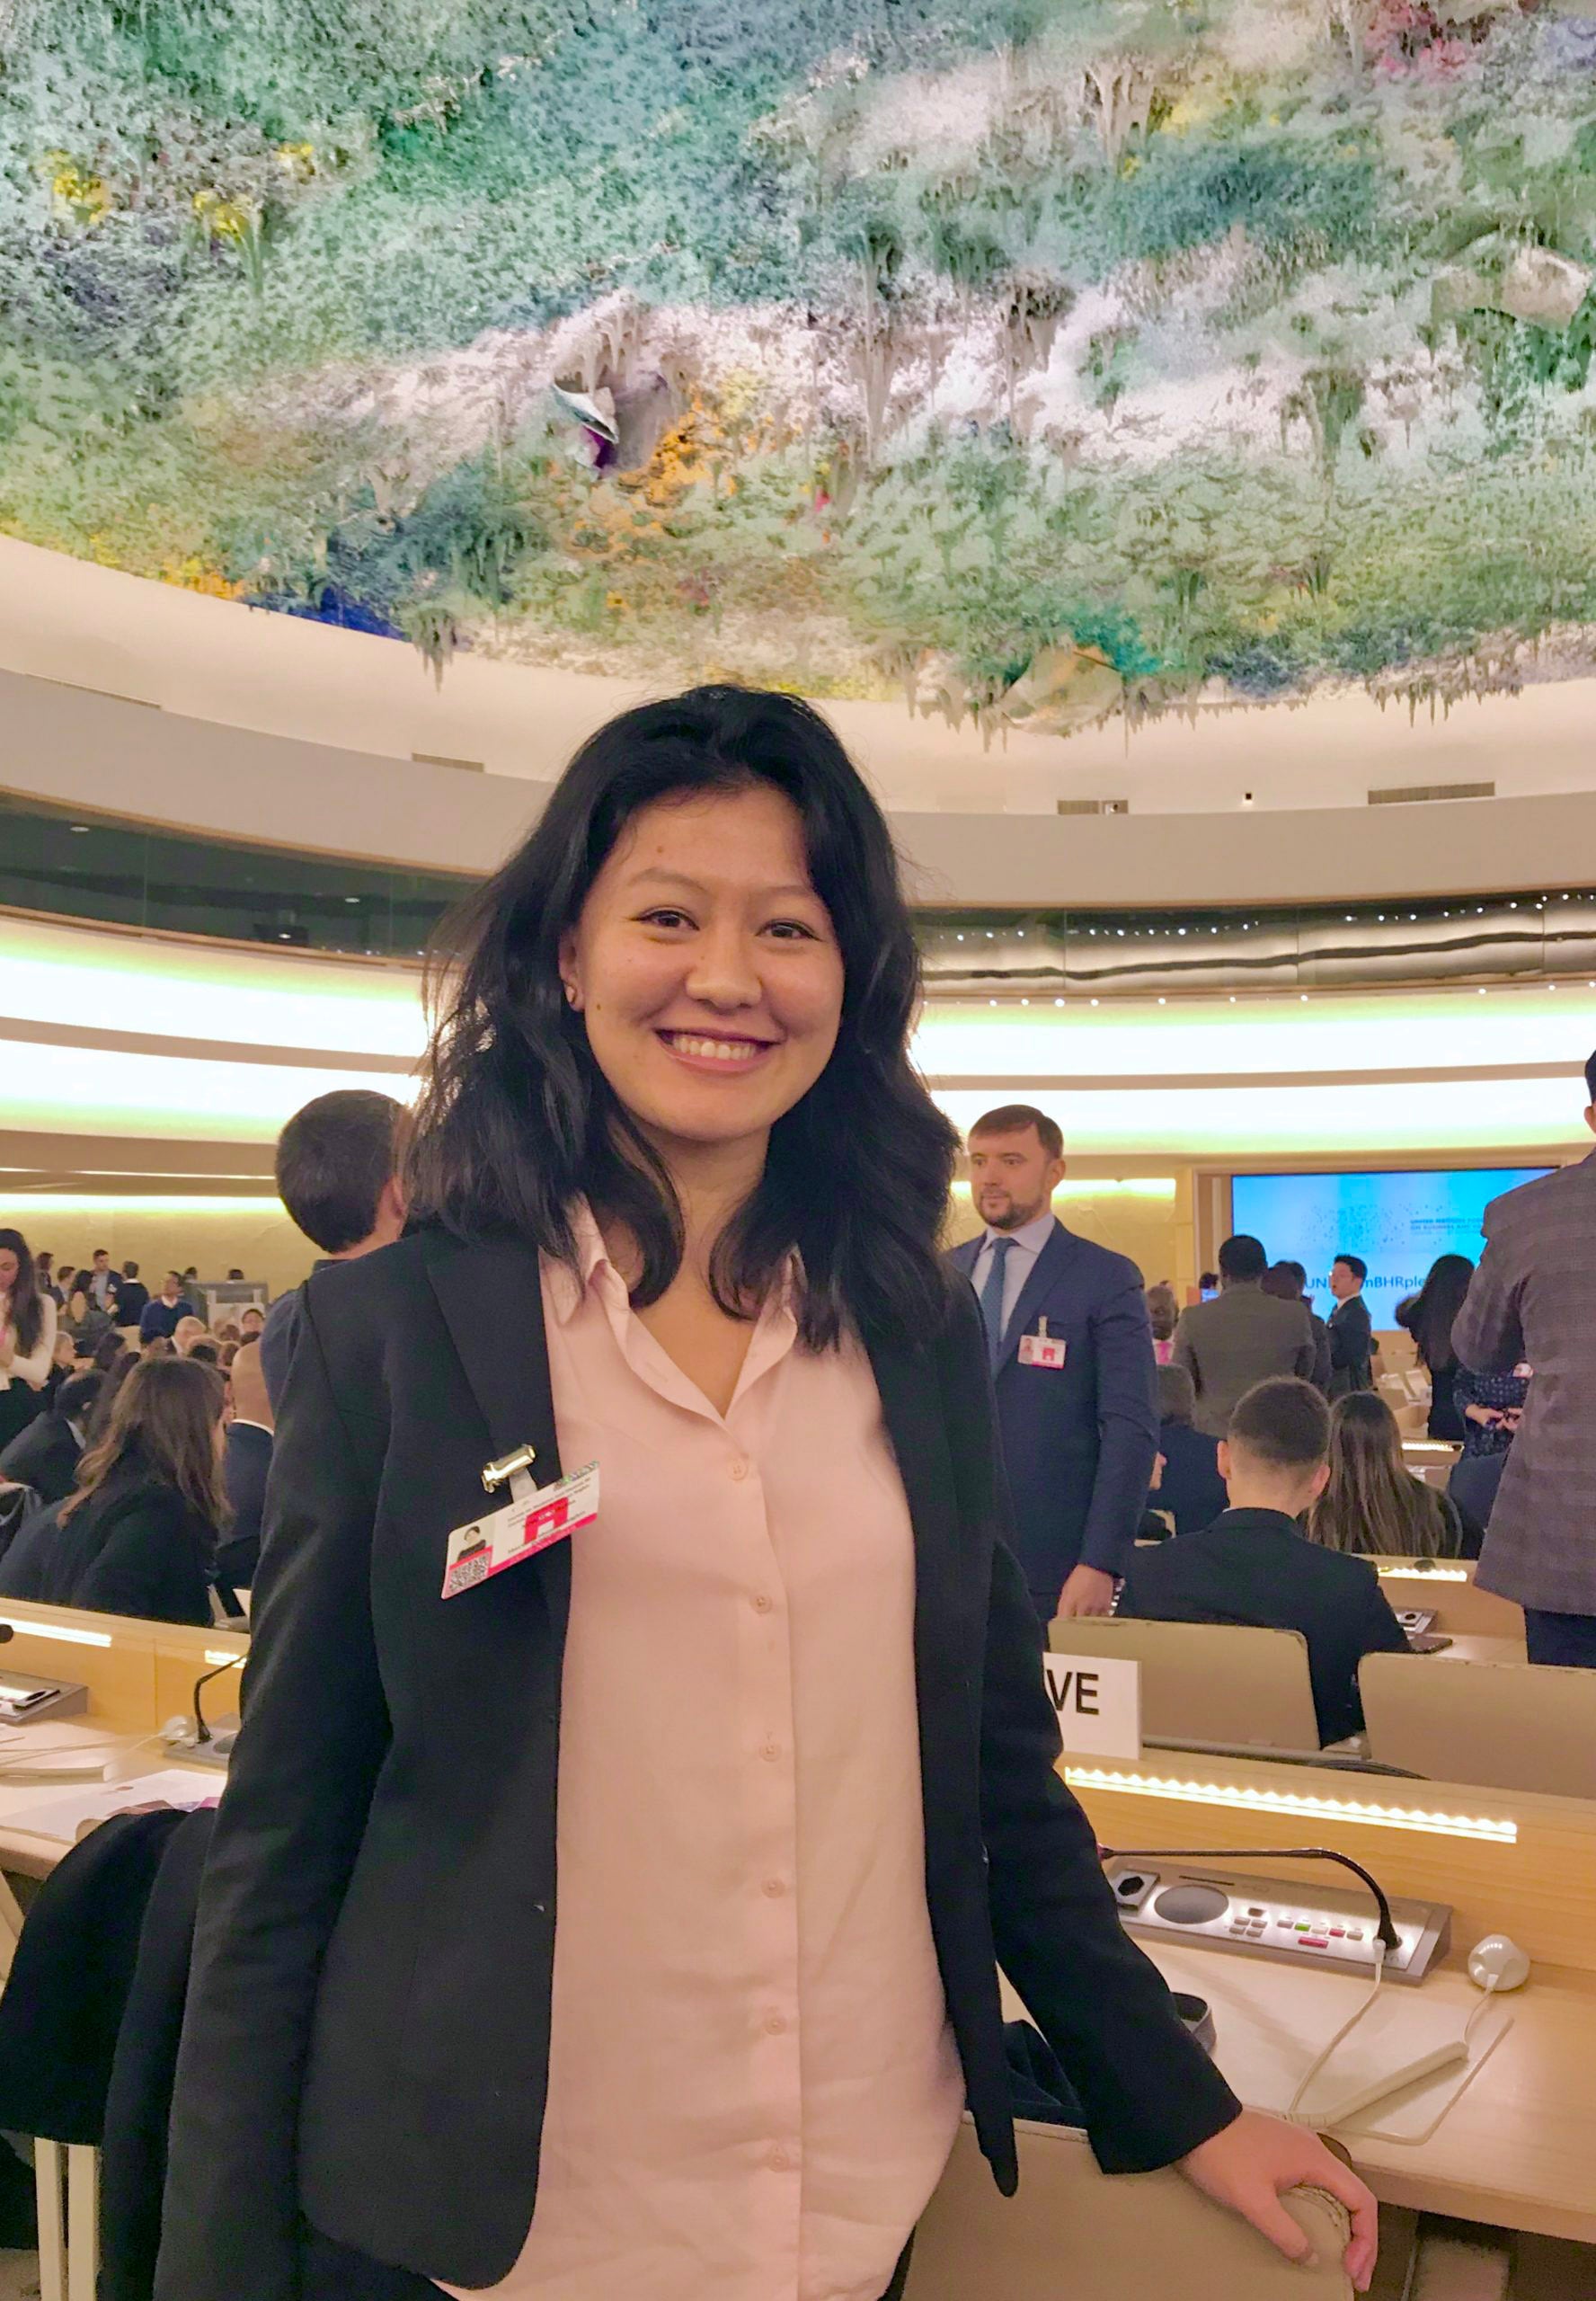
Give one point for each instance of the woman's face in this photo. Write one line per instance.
(8, 1269)
(706, 968)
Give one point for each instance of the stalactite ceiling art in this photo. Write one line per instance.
(1036, 359)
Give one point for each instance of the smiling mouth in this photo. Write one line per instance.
(704, 1047)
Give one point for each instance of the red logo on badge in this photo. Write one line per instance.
(544, 1525)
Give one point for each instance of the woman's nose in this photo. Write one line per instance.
(724, 972)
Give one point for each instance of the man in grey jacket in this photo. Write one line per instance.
(1242, 1337)
(1532, 1300)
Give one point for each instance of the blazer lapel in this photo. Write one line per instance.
(1045, 1272)
(511, 1386)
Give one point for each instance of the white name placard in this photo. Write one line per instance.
(1098, 1703)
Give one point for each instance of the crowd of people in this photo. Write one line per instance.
(136, 1438)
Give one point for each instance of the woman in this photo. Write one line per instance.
(186, 1333)
(1492, 1406)
(138, 1533)
(1373, 1504)
(26, 1336)
(1163, 1312)
(1428, 1317)
(679, 1196)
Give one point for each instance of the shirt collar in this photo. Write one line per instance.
(567, 1286)
(1032, 1236)
(594, 1264)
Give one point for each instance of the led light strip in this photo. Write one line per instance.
(52, 1630)
(222, 1660)
(1294, 1802)
(1422, 1573)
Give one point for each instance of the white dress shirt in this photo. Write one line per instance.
(34, 1367)
(1026, 1243)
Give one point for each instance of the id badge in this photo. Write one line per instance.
(491, 1545)
(1042, 1349)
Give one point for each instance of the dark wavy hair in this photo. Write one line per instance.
(1429, 1317)
(163, 1422)
(516, 1120)
(26, 1313)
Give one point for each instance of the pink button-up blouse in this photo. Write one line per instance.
(752, 2086)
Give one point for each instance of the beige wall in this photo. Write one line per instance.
(258, 1239)
(1154, 1231)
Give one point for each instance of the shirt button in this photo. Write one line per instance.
(762, 1604)
(740, 1469)
(771, 1752)
(774, 1889)
(778, 2161)
(775, 2025)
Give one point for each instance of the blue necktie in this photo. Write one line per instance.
(991, 1299)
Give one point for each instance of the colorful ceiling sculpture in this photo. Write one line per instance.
(1034, 359)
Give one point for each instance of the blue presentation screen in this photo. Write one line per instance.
(1398, 1221)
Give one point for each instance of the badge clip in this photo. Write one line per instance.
(500, 1473)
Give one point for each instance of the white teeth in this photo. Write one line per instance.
(713, 1050)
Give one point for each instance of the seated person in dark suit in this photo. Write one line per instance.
(1190, 1487)
(138, 1534)
(245, 1466)
(1254, 1566)
(45, 1455)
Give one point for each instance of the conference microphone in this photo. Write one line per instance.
(1386, 1929)
(202, 1733)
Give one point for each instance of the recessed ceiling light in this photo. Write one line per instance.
(77, 830)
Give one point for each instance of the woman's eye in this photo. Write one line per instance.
(665, 918)
(792, 930)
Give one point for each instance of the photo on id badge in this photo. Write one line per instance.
(1042, 1349)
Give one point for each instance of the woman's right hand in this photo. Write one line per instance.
(1489, 1415)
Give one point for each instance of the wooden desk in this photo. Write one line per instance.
(1517, 2149)
(22, 1851)
(1479, 1649)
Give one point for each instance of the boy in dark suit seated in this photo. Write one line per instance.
(1190, 1487)
(1254, 1566)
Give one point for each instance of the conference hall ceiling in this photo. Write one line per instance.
(1032, 361)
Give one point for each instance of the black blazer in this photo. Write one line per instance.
(1351, 1346)
(44, 1456)
(1253, 1566)
(368, 2026)
(245, 1466)
(135, 1547)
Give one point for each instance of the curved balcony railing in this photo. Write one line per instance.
(158, 881)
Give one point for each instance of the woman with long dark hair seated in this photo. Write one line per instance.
(138, 1535)
(1373, 1504)
(1428, 1317)
(739, 1594)
(26, 1336)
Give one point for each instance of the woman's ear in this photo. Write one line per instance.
(570, 978)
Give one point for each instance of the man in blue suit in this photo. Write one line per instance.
(1079, 1423)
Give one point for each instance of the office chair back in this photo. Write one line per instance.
(1077, 2231)
(1208, 1682)
(1495, 1725)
